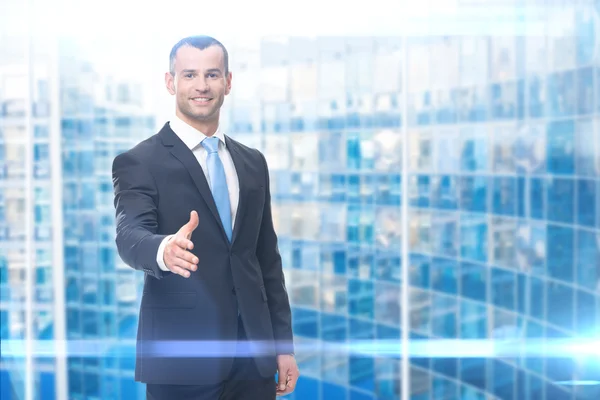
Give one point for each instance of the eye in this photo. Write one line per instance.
(212, 75)
(189, 75)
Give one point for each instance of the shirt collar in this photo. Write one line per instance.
(191, 136)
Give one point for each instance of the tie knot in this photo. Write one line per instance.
(211, 144)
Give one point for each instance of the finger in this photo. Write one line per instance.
(182, 242)
(185, 265)
(182, 263)
(186, 256)
(192, 224)
(180, 271)
(292, 380)
(282, 379)
(173, 252)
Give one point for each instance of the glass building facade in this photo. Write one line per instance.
(502, 232)
(444, 189)
(64, 288)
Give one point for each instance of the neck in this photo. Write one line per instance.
(208, 127)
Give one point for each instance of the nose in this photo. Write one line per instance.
(202, 85)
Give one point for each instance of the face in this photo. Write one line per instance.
(200, 83)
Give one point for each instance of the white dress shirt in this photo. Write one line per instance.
(193, 139)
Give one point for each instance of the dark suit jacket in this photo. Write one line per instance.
(188, 327)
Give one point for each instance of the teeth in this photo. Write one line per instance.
(201, 99)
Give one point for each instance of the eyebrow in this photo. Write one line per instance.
(187, 71)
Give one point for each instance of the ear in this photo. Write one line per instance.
(170, 83)
(228, 83)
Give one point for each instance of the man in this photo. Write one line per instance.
(193, 212)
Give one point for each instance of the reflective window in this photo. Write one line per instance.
(560, 142)
(444, 315)
(387, 303)
(334, 295)
(562, 94)
(473, 234)
(560, 299)
(588, 260)
(474, 150)
(473, 320)
(585, 147)
(474, 278)
(360, 298)
(419, 227)
(561, 199)
(560, 252)
(420, 151)
(503, 288)
(444, 274)
(304, 288)
(445, 234)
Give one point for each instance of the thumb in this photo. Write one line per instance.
(192, 224)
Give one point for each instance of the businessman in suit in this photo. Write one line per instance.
(193, 212)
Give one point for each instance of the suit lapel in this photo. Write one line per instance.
(189, 161)
(241, 170)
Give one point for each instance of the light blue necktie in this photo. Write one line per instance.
(218, 182)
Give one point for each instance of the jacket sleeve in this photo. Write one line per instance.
(136, 200)
(269, 259)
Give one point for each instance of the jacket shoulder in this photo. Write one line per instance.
(144, 150)
(245, 149)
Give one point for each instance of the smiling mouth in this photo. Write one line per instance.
(201, 100)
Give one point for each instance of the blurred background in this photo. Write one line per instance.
(435, 174)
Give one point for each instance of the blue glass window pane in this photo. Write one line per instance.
(419, 276)
(75, 383)
(384, 332)
(474, 281)
(561, 199)
(536, 197)
(307, 388)
(588, 258)
(305, 322)
(505, 191)
(586, 152)
(362, 373)
(360, 301)
(473, 193)
(444, 320)
(331, 391)
(444, 388)
(333, 327)
(469, 393)
(504, 375)
(561, 94)
(537, 97)
(473, 234)
(537, 293)
(560, 252)
(560, 302)
(503, 288)
(90, 323)
(585, 313)
(473, 320)
(473, 371)
(444, 192)
(561, 141)
(474, 155)
(444, 275)
(586, 202)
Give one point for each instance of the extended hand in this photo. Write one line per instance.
(288, 373)
(177, 256)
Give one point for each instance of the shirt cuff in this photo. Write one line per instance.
(160, 253)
